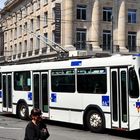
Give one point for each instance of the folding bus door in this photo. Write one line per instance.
(7, 92)
(119, 98)
(40, 91)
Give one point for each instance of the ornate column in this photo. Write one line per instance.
(95, 25)
(67, 23)
(122, 26)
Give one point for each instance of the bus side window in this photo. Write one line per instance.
(92, 80)
(63, 80)
(133, 84)
(22, 80)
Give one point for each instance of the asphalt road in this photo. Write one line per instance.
(12, 128)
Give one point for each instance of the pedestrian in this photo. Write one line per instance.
(36, 129)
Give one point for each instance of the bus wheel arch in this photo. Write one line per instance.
(94, 119)
(22, 110)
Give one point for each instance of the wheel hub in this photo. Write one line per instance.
(95, 120)
(22, 111)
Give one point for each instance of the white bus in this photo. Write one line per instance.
(96, 92)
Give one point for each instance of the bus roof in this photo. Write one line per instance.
(115, 60)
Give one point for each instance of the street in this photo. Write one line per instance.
(12, 128)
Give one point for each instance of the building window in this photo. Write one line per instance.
(132, 41)
(107, 13)
(19, 15)
(53, 36)
(31, 44)
(20, 48)
(53, 15)
(11, 50)
(38, 4)
(25, 28)
(11, 20)
(15, 33)
(132, 16)
(26, 11)
(38, 42)
(25, 46)
(81, 12)
(46, 39)
(31, 8)
(5, 37)
(45, 1)
(15, 49)
(16, 18)
(20, 30)
(80, 39)
(45, 18)
(31, 25)
(38, 22)
(11, 34)
(106, 40)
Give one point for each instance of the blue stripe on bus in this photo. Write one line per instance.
(76, 63)
(136, 54)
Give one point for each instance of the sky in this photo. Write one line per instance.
(2, 3)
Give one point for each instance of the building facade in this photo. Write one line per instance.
(84, 27)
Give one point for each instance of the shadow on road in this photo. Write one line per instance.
(124, 134)
(119, 133)
(8, 115)
(63, 124)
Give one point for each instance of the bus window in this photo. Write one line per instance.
(22, 81)
(133, 84)
(92, 80)
(63, 80)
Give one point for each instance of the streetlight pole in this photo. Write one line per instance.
(112, 44)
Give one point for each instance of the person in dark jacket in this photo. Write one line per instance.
(36, 129)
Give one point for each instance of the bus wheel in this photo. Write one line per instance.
(23, 111)
(95, 121)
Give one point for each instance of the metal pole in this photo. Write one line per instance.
(112, 35)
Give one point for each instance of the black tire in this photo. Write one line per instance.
(95, 121)
(22, 111)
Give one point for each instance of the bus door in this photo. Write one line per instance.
(7, 92)
(40, 91)
(119, 98)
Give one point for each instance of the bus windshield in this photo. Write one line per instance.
(133, 84)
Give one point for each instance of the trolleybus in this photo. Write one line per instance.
(95, 92)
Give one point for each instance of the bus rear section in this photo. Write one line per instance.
(124, 98)
(113, 104)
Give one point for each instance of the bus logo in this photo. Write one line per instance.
(138, 106)
(105, 100)
(29, 95)
(53, 97)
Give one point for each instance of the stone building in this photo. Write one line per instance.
(85, 27)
